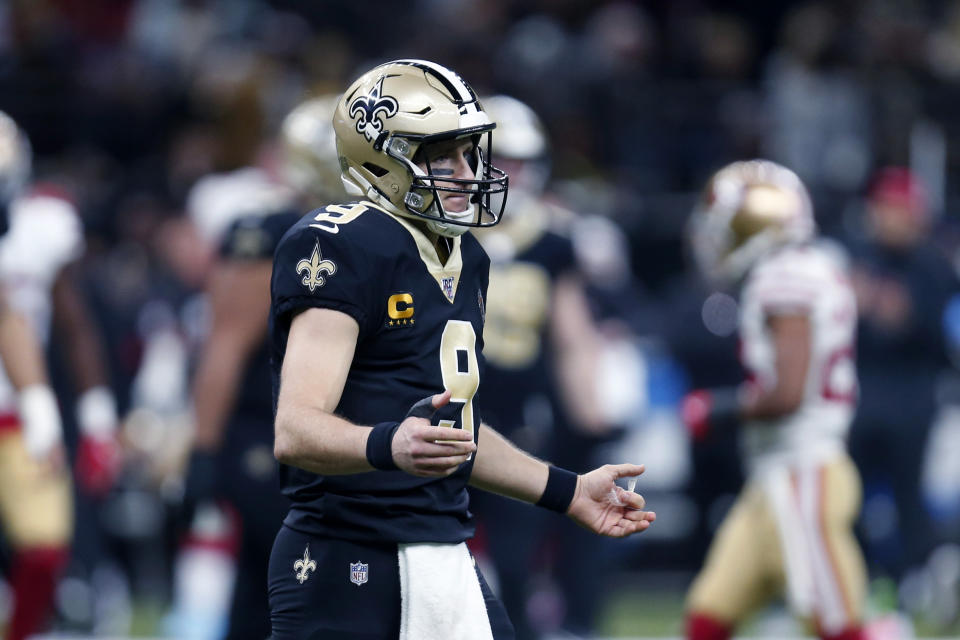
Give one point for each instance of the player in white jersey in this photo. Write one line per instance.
(809, 280)
(790, 532)
(36, 508)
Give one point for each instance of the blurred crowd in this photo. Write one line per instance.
(132, 105)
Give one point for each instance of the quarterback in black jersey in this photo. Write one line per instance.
(377, 330)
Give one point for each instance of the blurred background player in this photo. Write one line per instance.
(903, 283)
(791, 529)
(232, 457)
(44, 239)
(31, 442)
(541, 348)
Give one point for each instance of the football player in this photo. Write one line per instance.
(44, 238)
(232, 456)
(790, 531)
(539, 345)
(377, 317)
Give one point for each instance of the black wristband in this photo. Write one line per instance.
(380, 446)
(560, 489)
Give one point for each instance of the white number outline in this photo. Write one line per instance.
(335, 215)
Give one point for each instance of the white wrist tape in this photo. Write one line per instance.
(40, 419)
(97, 413)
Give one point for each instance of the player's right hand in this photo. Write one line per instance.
(426, 450)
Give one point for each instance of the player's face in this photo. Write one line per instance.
(456, 159)
(896, 224)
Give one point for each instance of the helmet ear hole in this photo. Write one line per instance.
(376, 170)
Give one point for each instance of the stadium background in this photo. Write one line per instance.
(128, 102)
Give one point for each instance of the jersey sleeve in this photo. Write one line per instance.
(256, 237)
(45, 235)
(317, 268)
(788, 284)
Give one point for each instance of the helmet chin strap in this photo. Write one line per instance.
(451, 230)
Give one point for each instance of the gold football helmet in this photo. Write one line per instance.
(310, 163)
(384, 124)
(15, 159)
(747, 209)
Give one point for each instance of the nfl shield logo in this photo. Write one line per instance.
(447, 284)
(359, 572)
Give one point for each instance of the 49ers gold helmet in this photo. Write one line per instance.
(386, 120)
(747, 209)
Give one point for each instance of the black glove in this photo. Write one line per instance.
(422, 409)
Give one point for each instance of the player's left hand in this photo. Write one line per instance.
(607, 509)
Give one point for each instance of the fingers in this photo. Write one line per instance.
(446, 434)
(626, 470)
(439, 467)
(630, 499)
(632, 522)
(430, 451)
(420, 430)
(440, 449)
(441, 399)
(439, 459)
(427, 450)
(639, 516)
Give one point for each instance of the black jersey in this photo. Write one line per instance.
(421, 331)
(519, 383)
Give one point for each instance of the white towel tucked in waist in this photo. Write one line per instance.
(440, 593)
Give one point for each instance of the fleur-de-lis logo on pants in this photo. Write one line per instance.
(304, 566)
(370, 111)
(315, 267)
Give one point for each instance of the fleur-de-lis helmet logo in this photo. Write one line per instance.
(370, 110)
(314, 268)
